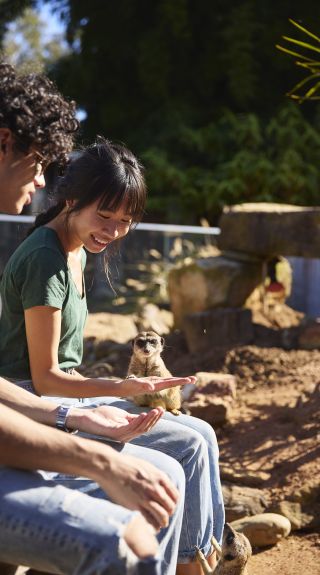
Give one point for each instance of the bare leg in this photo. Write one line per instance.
(195, 568)
(212, 560)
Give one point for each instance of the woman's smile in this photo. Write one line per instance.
(99, 242)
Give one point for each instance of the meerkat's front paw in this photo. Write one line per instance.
(175, 411)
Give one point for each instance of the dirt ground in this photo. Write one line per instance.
(275, 427)
(292, 556)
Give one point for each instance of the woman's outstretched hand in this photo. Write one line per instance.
(136, 385)
(113, 422)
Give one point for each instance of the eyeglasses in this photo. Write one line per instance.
(41, 163)
(40, 160)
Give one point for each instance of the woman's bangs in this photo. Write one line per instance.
(132, 198)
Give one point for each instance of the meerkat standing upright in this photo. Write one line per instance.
(233, 555)
(146, 361)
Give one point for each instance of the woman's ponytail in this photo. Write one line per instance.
(46, 217)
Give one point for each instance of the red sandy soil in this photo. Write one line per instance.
(274, 428)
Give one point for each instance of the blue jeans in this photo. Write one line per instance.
(65, 525)
(193, 443)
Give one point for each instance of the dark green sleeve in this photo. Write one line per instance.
(42, 279)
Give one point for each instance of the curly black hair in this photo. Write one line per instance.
(37, 114)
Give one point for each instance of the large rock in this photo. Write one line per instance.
(309, 338)
(271, 229)
(215, 411)
(212, 282)
(242, 501)
(308, 498)
(248, 477)
(292, 511)
(151, 317)
(212, 397)
(218, 384)
(263, 529)
(218, 327)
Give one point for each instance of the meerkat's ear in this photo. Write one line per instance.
(162, 340)
(132, 341)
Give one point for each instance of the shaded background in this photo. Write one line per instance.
(198, 90)
(195, 88)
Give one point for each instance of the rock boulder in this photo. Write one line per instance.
(267, 229)
(263, 529)
(242, 501)
(207, 283)
(218, 327)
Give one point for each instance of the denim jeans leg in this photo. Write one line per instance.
(193, 443)
(168, 537)
(63, 531)
(210, 438)
(188, 446)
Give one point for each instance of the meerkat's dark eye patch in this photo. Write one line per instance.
(230, 538)
(228, 557)
(141, 342)
(152, 341)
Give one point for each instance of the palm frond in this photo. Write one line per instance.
(311, 65)
(302, 44)
(296, 54)
(303, 82)
(305, 30)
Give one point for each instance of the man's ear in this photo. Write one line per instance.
(70, 203)
(6, 141)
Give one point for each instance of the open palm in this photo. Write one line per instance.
(116, 423)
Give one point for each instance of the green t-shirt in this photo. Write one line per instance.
(38, 274)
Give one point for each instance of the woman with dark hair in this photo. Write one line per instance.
(99, 199)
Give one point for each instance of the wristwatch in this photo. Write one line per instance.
(61, 419)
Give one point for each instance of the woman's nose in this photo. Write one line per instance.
(112, 230)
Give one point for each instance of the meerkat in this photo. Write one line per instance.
(146, 361)
(233, 556)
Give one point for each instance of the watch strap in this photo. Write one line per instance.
(61, 419)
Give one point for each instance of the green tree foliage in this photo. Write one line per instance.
(9, 11)
(237, 158)
(25, 46)
(196, 88)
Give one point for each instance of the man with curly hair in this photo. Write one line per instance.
(37, 127)
(50, 526)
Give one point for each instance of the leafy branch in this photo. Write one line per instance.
(302, 90)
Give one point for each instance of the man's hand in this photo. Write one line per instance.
(113, 422)
(138, 385)
(137, 484)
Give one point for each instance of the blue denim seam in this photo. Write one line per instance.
(188, 554)
(186, 557)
